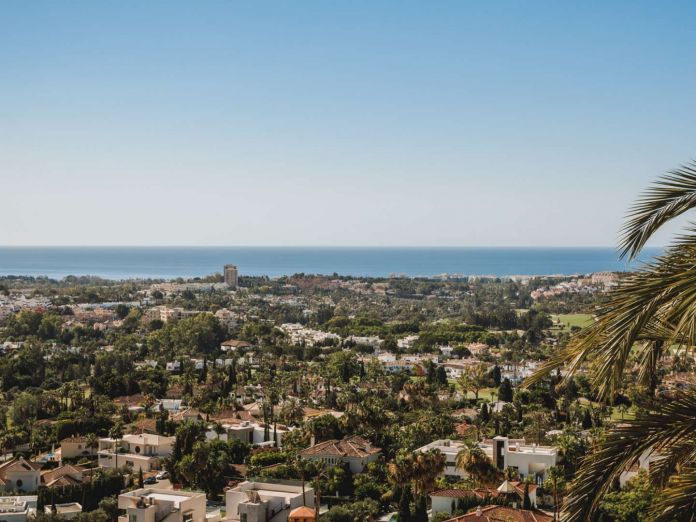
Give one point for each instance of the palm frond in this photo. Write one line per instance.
(660, 431)
(678, 500)
(671, 196)
(654, 305)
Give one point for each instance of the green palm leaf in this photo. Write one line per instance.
(664, 432)
(670, 197)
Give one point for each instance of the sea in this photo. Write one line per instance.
(188, 262)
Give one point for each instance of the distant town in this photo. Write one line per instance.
(296, 398)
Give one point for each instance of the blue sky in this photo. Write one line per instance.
(338, 123)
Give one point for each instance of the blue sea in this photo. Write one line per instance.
(172, 262)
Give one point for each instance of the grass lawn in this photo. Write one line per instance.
(566, 321)
(485, 394)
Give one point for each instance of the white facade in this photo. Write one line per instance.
(527, 459)
(20, 475)
(138, 452)
(75, 447)
(449, 448)
(251, 433)
(17, 509)
(157, 505)
(263, 502)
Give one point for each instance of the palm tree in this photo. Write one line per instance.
(116, 433)
(555, 478)
(649, 314)
(472, 459)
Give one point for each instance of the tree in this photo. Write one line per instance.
(472, 459)
(526, 501)
(505, 390)
(474, 379)
(645, 314)
(555, 481)
(116, 433)
(632, 503)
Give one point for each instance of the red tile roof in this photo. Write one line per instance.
(349, 447)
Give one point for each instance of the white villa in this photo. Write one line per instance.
(527, 459)
(251, 432)
(143, 451)
(163, 505)
(262, 502)
(18, 509)
(20, 475)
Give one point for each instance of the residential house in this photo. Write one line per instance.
(355, 451)
(500, 513)
(67, 511)
(65, 475)
(251, 432)
(20, 475)
(448, 500)
(76, 447)
(143, 451)
(234, 344)
(527, 459)
(18, 509)
(164, 505)
(265, 502)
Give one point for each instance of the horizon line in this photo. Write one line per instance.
(321, 246)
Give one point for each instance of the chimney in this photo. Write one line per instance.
(479, 513)
(312, 441)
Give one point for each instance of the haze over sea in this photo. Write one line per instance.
(172, 262)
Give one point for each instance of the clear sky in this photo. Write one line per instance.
(338, 123)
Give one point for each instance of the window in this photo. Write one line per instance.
(19, 483)
(137, 449)
(188, 517)
(132, 518)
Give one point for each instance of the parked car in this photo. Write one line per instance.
(150, 481)
(162, 475)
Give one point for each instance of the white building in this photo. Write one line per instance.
(250, 432)
(75, 447)
(143, 451)
(449, 448)
(526, 459)
(20, 475)
(18, 509)
(67, 511)
(163, 505)
(262, 502)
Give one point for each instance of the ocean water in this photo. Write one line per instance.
(172, 262)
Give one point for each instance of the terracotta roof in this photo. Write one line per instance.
(503, 514)
(349, 447)
(19, 464)
(463, 428)
(480, 493)
(303, 512)
(63, 475)
(452, 493)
